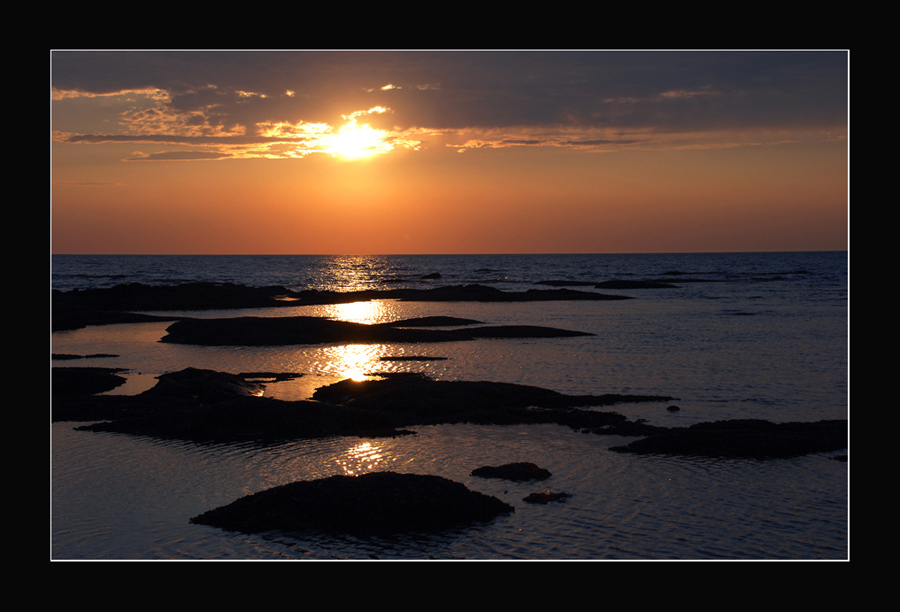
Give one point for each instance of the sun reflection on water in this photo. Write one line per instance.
(361, 458)
(358, 312)
(354, 361)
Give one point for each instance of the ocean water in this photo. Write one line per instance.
(765, 336)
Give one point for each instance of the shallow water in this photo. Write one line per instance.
(770, 344)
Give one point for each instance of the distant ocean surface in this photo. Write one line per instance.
(742, 335)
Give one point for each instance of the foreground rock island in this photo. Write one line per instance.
(377, 503)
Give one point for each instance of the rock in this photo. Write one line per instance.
(131, 302)
(205, 406)
(566, 283)
(545, 497)
(282, 331)
(433, 321)
(376, 503)
(521, 471)
(205, 386)
(427, 401)
(84, 381)
(214, 407)
(634, 284)
(747, 438)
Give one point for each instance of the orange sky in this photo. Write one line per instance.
(464, 152)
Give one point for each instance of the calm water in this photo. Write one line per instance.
(768, 341)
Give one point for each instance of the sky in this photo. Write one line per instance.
(448, 151)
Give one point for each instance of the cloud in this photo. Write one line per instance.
(273, 103)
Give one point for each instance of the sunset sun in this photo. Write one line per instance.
(354, 141)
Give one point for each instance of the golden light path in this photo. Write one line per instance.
(356, 360)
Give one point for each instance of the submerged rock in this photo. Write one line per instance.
(521, 471)
(374, 503)
(545, 497)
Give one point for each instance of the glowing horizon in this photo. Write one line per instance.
(448, 152)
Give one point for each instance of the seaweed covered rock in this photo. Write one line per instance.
(373, 503)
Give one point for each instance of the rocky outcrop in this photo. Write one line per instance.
(131, 302)
(216, 407)
(79, 381)
(282, 331)
(634, 284)
(377, 503)
(520, 471)
(744, 438)
(545, 497)
(426, 401)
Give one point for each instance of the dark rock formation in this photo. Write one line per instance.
(482, 293)
(634, 284)
(566, 283)
(521, 471)
(434, 321)
(76, 380)
(748, 438)
(426, 401)
(216, 407)
(377, 503)
(545, 497)
(280, 331)
(127, 303)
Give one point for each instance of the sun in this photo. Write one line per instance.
(354, 141)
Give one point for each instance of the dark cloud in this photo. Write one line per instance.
(487, 89)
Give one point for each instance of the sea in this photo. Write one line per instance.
(739, 336)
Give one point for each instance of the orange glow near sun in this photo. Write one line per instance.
(354, 141)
